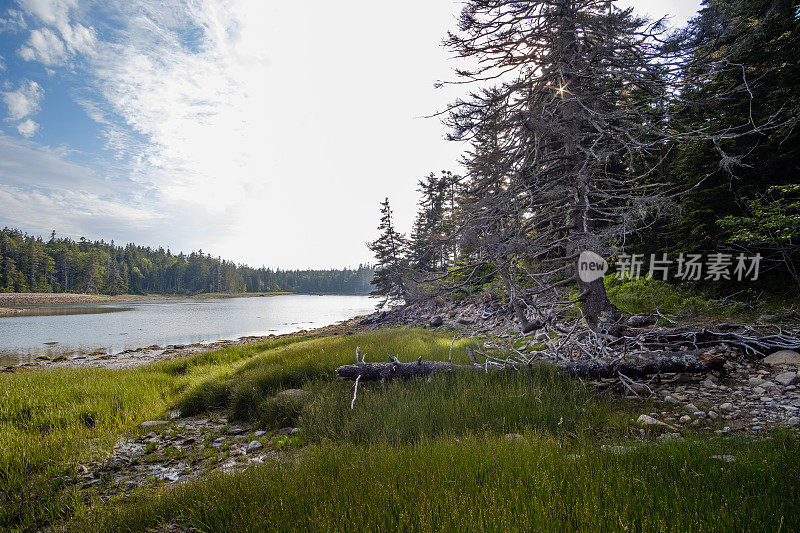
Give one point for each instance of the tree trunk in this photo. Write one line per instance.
(598, 310)
(593, 369)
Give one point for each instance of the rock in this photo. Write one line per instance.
(726, 458)
(794, 421)
(712, 415)
(236, 431)
(787, 378)
(639, 321)
(436, 321)
(254, 446)
(691, 407)
(292, 394)
(755, 381)
(670, 400)
(647, 420)
(685, 419)
(783, 357)
(152, 423)
(259, 433)
(708, 383)
(285, 431)
(727, 406)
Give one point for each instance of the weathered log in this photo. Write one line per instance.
(592, 369)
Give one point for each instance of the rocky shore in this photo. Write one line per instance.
(142, 356)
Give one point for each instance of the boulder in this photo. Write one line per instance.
(783, 357)
(436, 321)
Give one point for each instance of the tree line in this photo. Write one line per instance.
(31, 264)
(592, 129)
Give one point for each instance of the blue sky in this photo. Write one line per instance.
(265, 132)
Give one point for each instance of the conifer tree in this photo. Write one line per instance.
(391, 250)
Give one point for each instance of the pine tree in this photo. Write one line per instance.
(390, 250)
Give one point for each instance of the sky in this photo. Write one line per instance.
(260, 131)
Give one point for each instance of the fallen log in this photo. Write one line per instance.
(592, 369)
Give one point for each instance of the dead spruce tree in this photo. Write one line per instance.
(562, 143)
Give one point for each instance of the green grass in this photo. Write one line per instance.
(648, 295)
(464, 404)
(54, 418)
(415, 455)
(245, 388)
(489, 484)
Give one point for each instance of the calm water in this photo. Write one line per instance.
(163, 322)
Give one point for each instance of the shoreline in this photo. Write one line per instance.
(144, 355)
(13, 301)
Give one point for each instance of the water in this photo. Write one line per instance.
(119, 326)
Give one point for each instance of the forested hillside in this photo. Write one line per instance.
(31, 264)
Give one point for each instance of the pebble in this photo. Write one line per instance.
(727, 406)
(685, 419)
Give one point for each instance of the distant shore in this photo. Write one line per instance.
(12, 302)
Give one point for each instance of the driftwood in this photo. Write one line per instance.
(593, 369)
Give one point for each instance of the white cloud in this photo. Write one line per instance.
(13, 22)
(27, 128)
(53, 12)
(49, 47)
(45, 46)
(24, 101)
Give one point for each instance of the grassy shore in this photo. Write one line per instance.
(60, 298)
(530, 451)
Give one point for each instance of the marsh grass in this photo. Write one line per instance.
(465, 404)
(489, 484)
(415, 455)
(51, 419)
